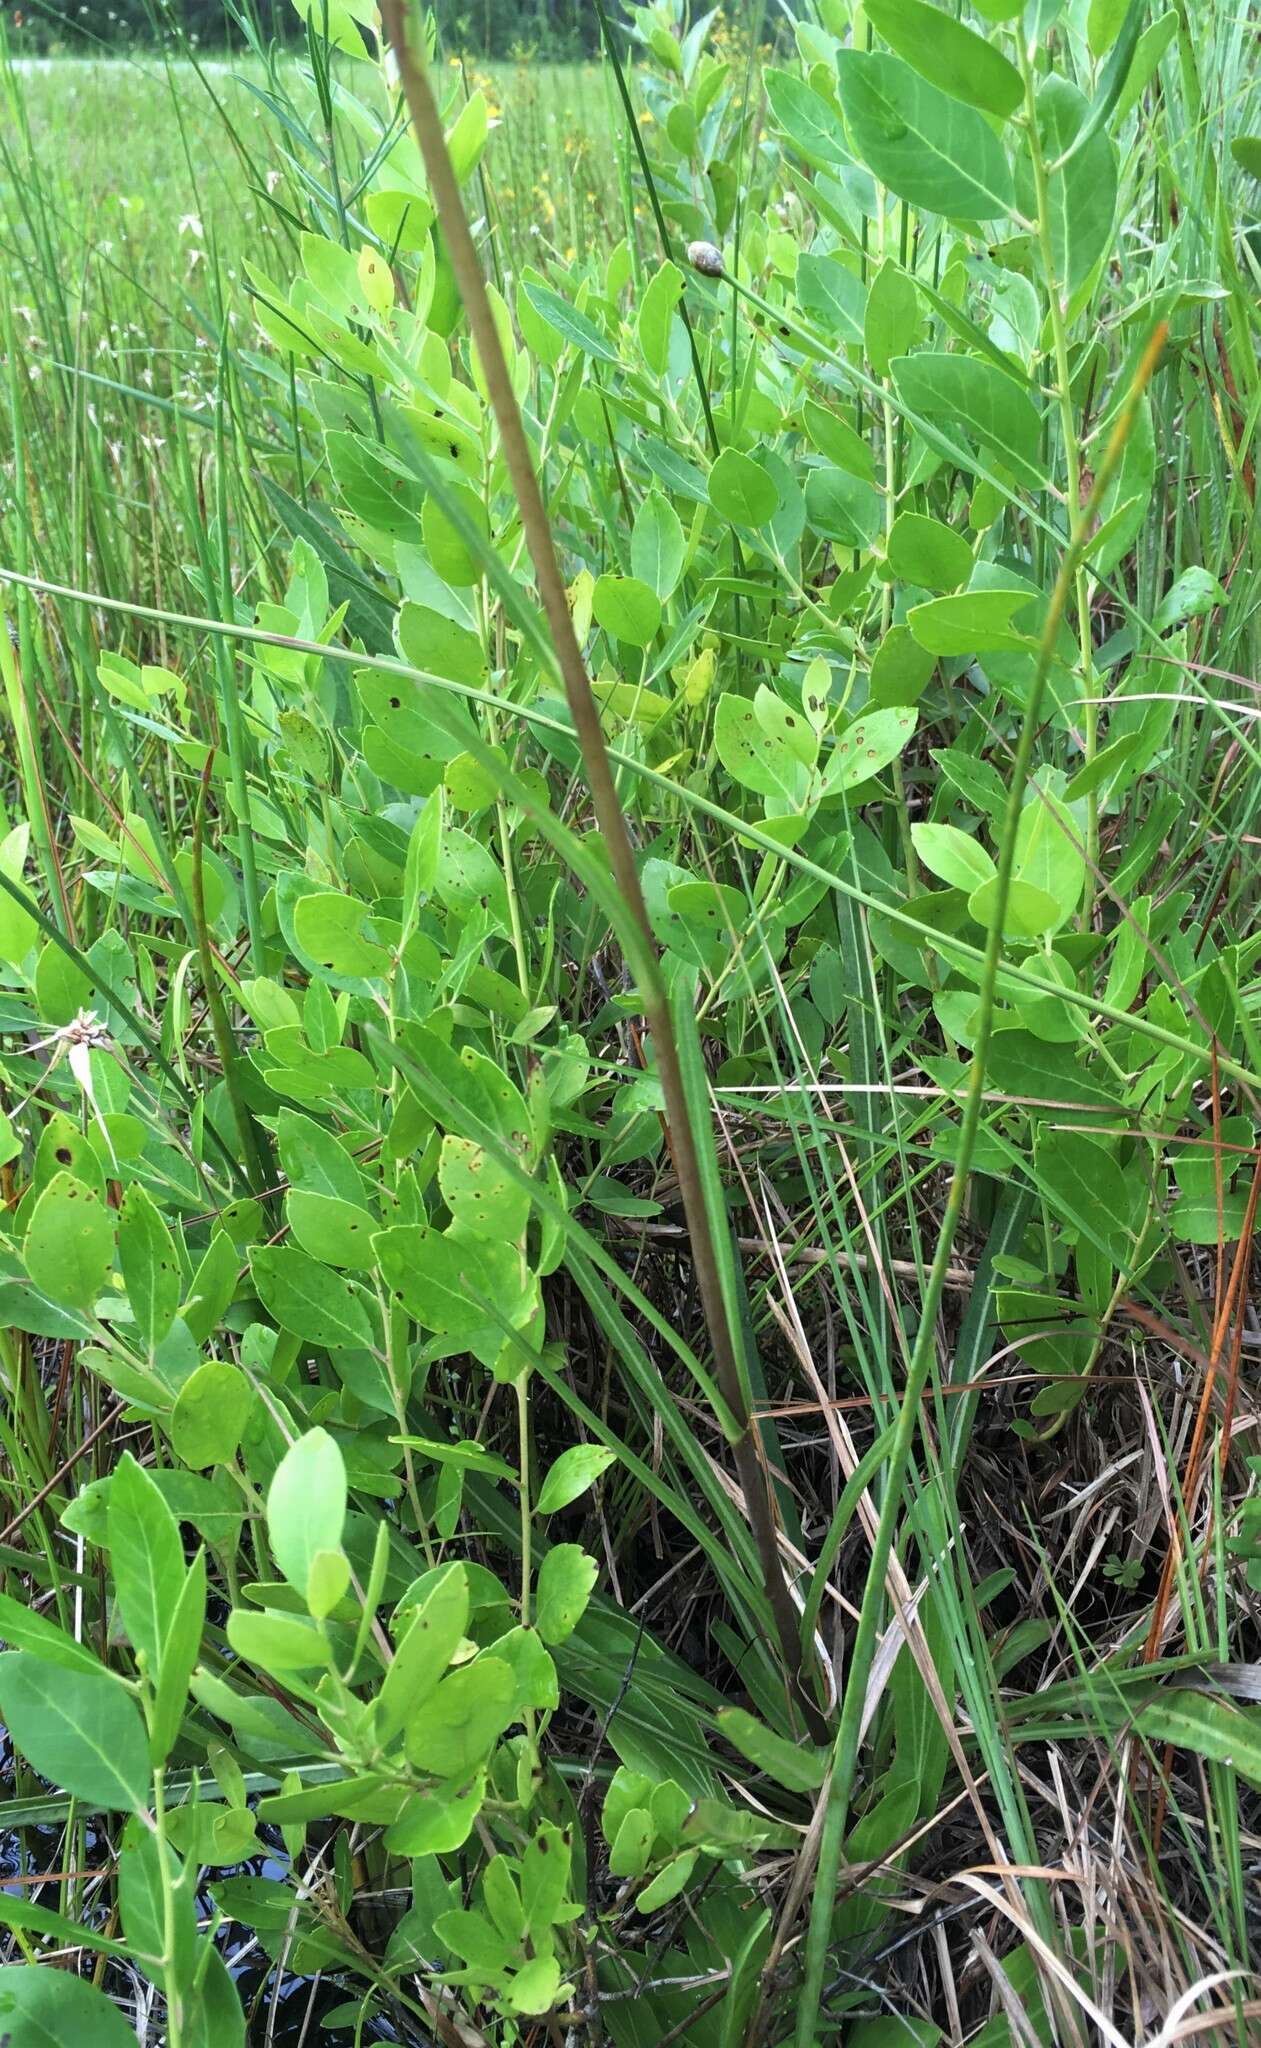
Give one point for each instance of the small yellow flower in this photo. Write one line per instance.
(645, 119)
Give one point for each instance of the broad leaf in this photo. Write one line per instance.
(922, 144)
(81, 1730)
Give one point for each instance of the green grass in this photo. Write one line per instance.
(366, 1255)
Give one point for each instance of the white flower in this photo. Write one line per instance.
(190, 225)
(76, 1042)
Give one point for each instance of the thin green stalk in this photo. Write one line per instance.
(232, 721)
(611, 821)
(174, 1993)
(246, 1128)
(1073, 465)
(845, 1753)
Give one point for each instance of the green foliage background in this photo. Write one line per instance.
(375, 1561)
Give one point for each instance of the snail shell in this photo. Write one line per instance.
(703, 256)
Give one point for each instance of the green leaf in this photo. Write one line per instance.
(1081, 196)
(469, 877)
(22, 1628)
(1030, 912)
(312, 1158)
(148, 1874)
(574, 1471)
(210, 1414)
(658, 546)
(438, 1821)
(78, 1729)
(923, 551)
(423, 849)
(791, 1764)
(842, 507)
(748, 752)
(433, 1277)
(472, 1937)
(467, 136)
(147, 1558)
(545, 1870)
(48, 2007)
(150, 1268)
(657, 308)
(573, 326)
(867, 746)
(971, 622)
(949, 54)
(17, 1911)
(631, 1847)
(69, 1245)
(925, 146)
(955, 857)
(18, 929)
(831, 296)
(960, 393)
(785, 727)
(469, 1456)
(533, 1668)
(308, 1300)
(566, 1578)
(626, 608)
(327, 1581)
(481, 1194)
(534, 1987)
(1084, 1183)
(374, 484)
(672, 1879)
(334, 1232)
(277, 1642)
(894, 2030)
(1246, 150)
(1021, 1065)
(181, 1646)
(428, 1643)
(337, 931)
(440, 646)
(741, 490)
(807, 119)
(1208, 1727)
(1103, 24)
(891, 324)
(214, 1285)
(306, 1507)
(1049, 850)
(900, 670)
(462, 1719)
(1192, 594)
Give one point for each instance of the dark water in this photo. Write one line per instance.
(303, 2003)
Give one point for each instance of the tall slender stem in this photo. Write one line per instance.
(845, 1754)
(1072, 461)
(612, 825)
